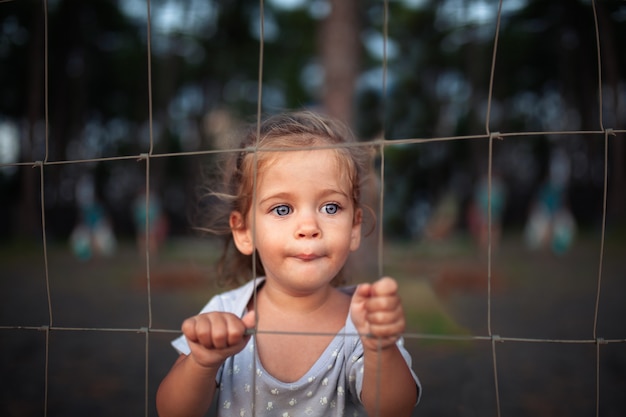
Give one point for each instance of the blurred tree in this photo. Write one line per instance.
(340, 55)
(204, 64)
(546, 79)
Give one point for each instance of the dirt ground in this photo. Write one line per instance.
(102, 360)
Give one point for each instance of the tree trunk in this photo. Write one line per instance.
(340, 52)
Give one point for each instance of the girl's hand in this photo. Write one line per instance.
(377, 313)
(215, 336)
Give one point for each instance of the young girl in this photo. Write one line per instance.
(293, 205)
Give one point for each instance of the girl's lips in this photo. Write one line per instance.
(307, 257)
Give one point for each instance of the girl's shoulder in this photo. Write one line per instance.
(235, 300)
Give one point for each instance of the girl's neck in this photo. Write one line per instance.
(297, 304)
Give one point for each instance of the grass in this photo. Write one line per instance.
(424, 312)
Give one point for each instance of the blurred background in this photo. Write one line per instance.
(101, 101)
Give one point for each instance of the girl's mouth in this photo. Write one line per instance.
(307, 257)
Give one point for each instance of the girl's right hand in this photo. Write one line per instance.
(215, 336)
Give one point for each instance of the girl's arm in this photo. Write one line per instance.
(187, 390)
(388, 385)
(189, 387)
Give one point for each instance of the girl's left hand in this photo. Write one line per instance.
(377, 313)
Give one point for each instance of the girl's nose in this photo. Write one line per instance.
(308, 227)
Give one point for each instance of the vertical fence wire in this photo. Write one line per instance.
(604, 198)
(381, 195)
(43, 205)
(489, 207)
(255, 171)
(148, 207)
(40, 166)
(381, 147)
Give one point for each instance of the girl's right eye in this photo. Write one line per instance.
(281, 210)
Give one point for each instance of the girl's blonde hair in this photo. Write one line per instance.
(234, 190)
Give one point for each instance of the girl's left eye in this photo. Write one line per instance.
(331, 208)
(281, 210)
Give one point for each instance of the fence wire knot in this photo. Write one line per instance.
(495, 135)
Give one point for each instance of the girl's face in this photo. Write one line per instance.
(304, 223)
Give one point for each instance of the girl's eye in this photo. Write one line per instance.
(281, 210)
(331, 208)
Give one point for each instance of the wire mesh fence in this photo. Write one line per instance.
(494, 329)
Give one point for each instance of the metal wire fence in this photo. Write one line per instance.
(150, 330)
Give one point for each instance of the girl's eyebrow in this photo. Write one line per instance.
(284, 195)
(276, 196)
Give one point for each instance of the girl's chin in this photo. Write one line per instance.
(306, 280)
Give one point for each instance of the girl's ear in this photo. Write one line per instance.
(355, 234)
(241, 233)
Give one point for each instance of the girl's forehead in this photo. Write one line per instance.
(305, 159)
(304, 163)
